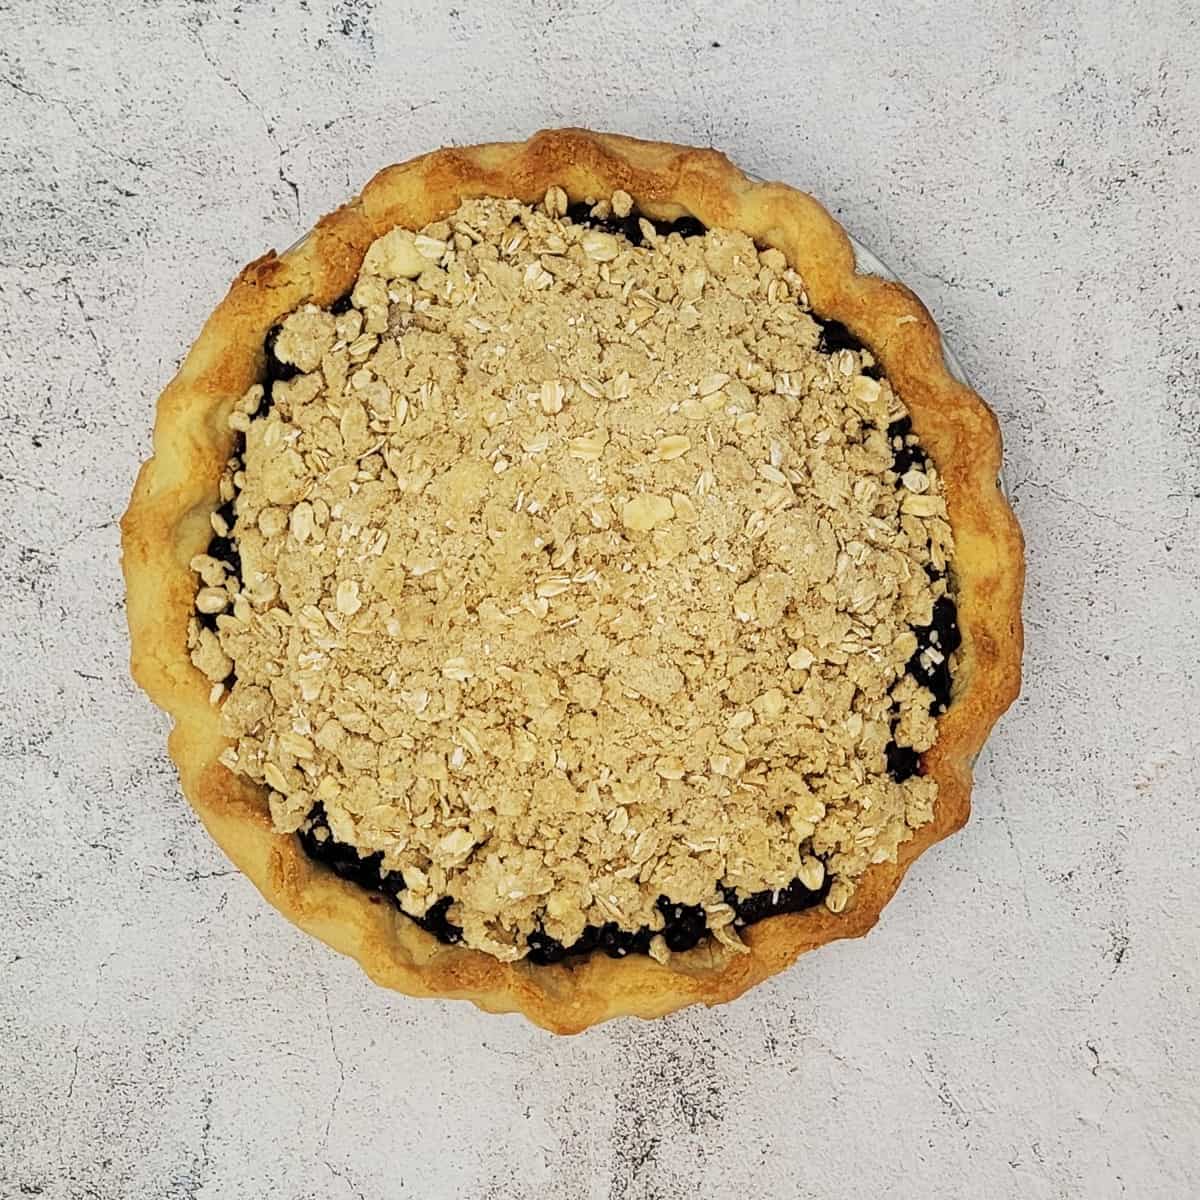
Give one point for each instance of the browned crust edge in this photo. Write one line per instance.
(167, 523)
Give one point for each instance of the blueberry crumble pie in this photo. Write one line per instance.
(576, 589)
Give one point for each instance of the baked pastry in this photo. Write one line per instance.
(575, 588)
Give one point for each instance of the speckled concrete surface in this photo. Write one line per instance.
(1023, 1022)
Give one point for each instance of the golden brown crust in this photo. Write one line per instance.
(176, 490)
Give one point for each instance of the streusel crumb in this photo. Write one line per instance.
(573, 575)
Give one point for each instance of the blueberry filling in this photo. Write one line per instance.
(796, 897)
(684, 925)
(367, 871)
(580, 213)
(276, 367)
(343, 860)
(902, 761)
(906, 454)
(930, 662)
(937, 641)
(835, 336)
(434, 921)
(608, 938)
(222, 546)
(226, 550)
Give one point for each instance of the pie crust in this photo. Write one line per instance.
(167, 523)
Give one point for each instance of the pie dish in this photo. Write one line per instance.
(575, 588)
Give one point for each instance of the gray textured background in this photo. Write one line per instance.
(1023, 1022)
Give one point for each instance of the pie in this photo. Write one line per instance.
(575, 589)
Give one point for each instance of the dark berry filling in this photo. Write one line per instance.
(343, 860)
(930, 662)
(367, 871)
(342, 304)
(902, 761)
(684, 925)
(630, 227)
(796, 897)
(907, 453)
(224, 547)
(276, 367)
(434, 921)
(835, 336)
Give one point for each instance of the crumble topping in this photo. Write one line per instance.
(574, 574)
